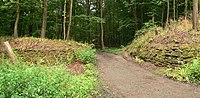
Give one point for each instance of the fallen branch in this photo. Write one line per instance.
(9, 51)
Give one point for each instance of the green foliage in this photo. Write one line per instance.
(189, 72)
(112, 50)
(172, 46)
(148, 27)
(194, 73)
(20, 80)
(85, 55)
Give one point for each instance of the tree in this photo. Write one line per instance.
(167, 20)
(17, 19)
(44, 23)
(186, 8)
(70, 19)
(195, 14)
(174, 10)
(102, 30)
(64, 20)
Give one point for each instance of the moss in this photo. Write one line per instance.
(169, 48)
(44, 51)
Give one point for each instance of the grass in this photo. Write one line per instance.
(112, 50)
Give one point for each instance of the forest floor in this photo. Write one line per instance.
(126, 79)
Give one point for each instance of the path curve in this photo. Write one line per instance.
(127, 80)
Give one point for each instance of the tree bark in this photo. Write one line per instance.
(186, 8)
(44, 23)
(31, 18)
(163, 12)
(70, 19)
(64, 20)
(17, 20)
(195, 14)
(102, 30)
(135, 14)
(177, 9)
(142, 13)
(167, 20)
(174, 9)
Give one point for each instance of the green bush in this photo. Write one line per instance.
(19, 80)
(189, 72)
(86, 55)
(194, 73)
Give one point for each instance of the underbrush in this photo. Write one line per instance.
(188, 73)
(49, 69)
(172, 46)
(112, 50)
(20, 80)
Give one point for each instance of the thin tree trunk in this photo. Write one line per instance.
(31, 18)
(186, 8)
(70, 19)
(135, 14)
(102, 30)
(177, 9)
(142, 14)
(174, 9)
(163, 12)
(195, 14)
(167, 20)
(44, 23)
(64, 20)
(17, 20)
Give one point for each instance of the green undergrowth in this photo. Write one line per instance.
(112, 50)
(49, 69)
(189, 72)
(27, 81)
(173, 46)
(45, 51)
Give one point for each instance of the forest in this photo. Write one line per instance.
(99, 49)
(86, 20)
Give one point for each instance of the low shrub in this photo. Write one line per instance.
(194, 72)
(85, 55)
(19, 80)
(189, 72)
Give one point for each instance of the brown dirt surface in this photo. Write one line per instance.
(126, 79)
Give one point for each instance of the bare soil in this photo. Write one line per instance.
(126, 79)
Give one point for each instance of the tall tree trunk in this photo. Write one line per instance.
(142, 14)
(186, 8)
(177, 9)
(70, 19)
(64, 20)
(163, 14)
(174, 9)
(31, 18)
(44, 23)
(17, 20)
(167, 20)
(195, 14)
(102, 30)
(135, 14)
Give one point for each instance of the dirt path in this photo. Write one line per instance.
(128, 80)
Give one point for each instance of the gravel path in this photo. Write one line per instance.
(127, 80)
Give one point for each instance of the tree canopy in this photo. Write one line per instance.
(118, 20)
